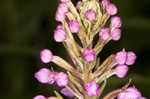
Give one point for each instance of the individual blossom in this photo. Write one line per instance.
(45, 76)
(134, 90)
(66, 92)
(89, 55)
(131, 57)
(111, 9)
(74, 26)
(121, 71)
(130, 93)
(59, 26)
(46, 56)
(116, 22)
(61, 12)
(104, 33)
(59, 35)
(78, 4)
(59, 16)
(63, 8)
(40, 97)
(92, 88)
(61, 79)
(90, 15)
(105, 3)
(121, 57)
(116, 34)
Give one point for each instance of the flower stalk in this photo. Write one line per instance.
(86, 76)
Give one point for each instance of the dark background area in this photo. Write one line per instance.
(26, 27)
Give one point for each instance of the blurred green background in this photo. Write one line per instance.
(26, 27)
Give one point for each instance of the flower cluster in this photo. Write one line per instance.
(45, 76)
(83, 76)
(124, 59)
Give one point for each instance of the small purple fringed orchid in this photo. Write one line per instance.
(116, 34)
(116, 22)
(92, 88)
(104, 33)
(61, 12)
(67, 92)
(90, 15)
(40, 97)
(131, 57)
(43, 97)
(89, 55)
(105, 3)
(78, 4)
(111, 9)
(46, 56)
(121, 71)
(130, 93)
(121, 57)
(45, 76)
(74, 26)
(59, 35)
(85, 76)
(61, 79)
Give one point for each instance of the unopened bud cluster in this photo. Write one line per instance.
(84, 75)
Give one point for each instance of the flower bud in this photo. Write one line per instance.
(90, 15)
(131, 57)
(59, 35)
(104, 33)
(46, 56)
(89, 55)
(129, 93)
(78, 4)
(116, 22)
(59, 26)
(121, 57)
(105, 3)
(66, 92)
(92, 88)
(63, 8)
(121, 71)
(45, 76)
(111, 9)
(61, 79)
(39, 97)
(74, 26)
(61, 12)
(134, 90)
(59, 16)
(116, 34)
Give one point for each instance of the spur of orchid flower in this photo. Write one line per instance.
(86, 77)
